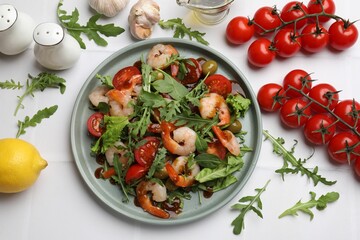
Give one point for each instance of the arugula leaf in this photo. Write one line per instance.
(298, 165)
(158, 163)
(181, 30)
(320, 204)
(36, 119)
(92, 30)
(207, 160)
(120, 176)
(170, 86)
(39, 83)
(10, 85)
(238, 222)
(105, 80)
(238, 104)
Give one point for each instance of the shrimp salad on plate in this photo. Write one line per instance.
(167, 127)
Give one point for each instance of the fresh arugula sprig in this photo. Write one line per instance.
(36, 119)
(244, 208)
(181, 30)
(92, 29)
(39, 83)
(297, 164)
(10, 84)
(320, 204)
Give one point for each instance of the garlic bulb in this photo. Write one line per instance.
(143, 16)
(108, 7)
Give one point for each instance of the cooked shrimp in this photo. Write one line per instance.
(180, 173)
(118, 148)
(158, 194)
(228, 140)
(183, 140)
(120, 103)
(159, 55)
(212, 104)
(97, 95)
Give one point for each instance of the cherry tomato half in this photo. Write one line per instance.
(294, 113)
(316, 6)
(271, 97)
(145, 153)
(239, 30)
(193, 71)
(349, 111)
(266, 18)
(261, 52)
(294, 10)
(287, 42)
(298, 79)
(135, 172)
(94, 123)
(324, 94)
(341, 147)
(319, 129)
(342, 35)
(122, 77)
(219, 84)
(314, 38)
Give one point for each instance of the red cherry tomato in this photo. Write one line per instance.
(271, 97)
(324, 94)
(193, 71)
(314, 38)
(349, 111)
(135, 172)
(219, 84)
(94, 123)
(341, 147)
(261, 52)
(319, 129)
(122, 77)
(342, 35)
(298, 79)
(145, 153)
(292, 11)
(316, 6)
(239, 30)
(266, 18)
(357, 167)
(294, 113)
(287, 42)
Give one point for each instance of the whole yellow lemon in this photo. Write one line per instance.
(20, 165)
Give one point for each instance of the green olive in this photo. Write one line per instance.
(158, 75)
(235, 127)
(209, 67)
(161, 174)
(169, 184)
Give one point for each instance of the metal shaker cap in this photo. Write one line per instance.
(8, 16)
(48, 34)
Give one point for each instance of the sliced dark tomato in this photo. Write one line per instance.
(94, 124)
(122, 78)
(217, 149)
(145, 154)
(193, 71)
(135, 172)
(219, 84)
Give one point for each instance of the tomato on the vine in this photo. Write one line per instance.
(261, 52)
(298, 79)
(146, 152)
(294, 10)
(342, 147)
(270, 97)
(287, 42)
(314, 38)
(357, 167)
(295, 112)
(342, 35)
(94, 124)
(349, 111)
(239, 30)
(326, 95)
(319, 129)
(318, 6)
(266, 18)
(122, 78)
(219, 84)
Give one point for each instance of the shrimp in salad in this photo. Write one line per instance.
(180, 173)
(160, 54)
(212, 104)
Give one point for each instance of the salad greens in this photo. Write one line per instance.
(10, 84)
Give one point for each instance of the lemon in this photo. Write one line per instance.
(20, 165)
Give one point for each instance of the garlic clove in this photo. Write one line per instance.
(109, 8)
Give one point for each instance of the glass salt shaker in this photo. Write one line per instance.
(54, 48)
(16, 29)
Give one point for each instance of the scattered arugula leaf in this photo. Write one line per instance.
(36, 119)
(238, 222)
(39, 83)
(320, 204)
(298, 165)
(181, 30)
(92, 30)
(10, 85)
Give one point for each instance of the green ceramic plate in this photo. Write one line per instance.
(111, 195)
